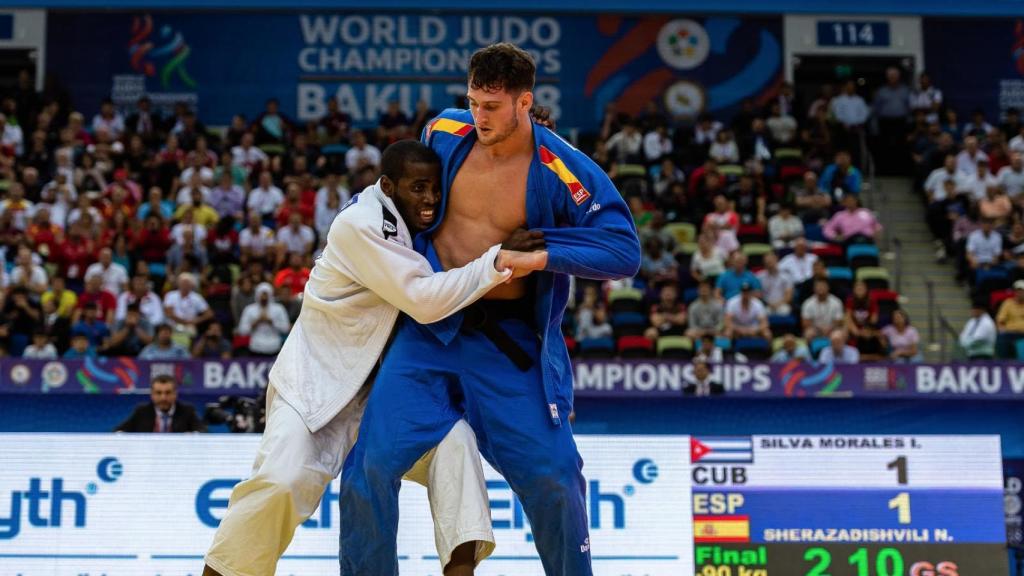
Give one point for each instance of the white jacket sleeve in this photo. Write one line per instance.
(404, 278)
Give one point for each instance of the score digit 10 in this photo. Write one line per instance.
(887, 562)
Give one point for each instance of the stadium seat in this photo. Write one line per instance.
(752, 234)
(731, 171)
(817, 345)
(840, 281)
(626, 300)
(861, 255)
(814, 233)
(789, 155)
(677, 347)
(683, 232)
(628, 324)
(755, 254)
(875, 277)
(597, 348)
(887, 302)
(831, 254)
(635, 347)
(272, 149)
(781, 325)
(753, 348)
(687, 248)
(1020, 349)
(335, 149)
(689, 295)
(996, 298)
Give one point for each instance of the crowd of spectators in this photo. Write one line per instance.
(150, 235)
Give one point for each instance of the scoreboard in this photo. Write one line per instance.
(847, 506)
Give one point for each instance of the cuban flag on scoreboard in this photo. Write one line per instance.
(721, 450)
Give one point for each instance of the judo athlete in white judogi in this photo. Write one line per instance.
(368, 274)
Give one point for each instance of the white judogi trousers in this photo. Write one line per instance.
(294, 466)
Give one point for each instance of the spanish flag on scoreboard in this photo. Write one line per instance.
(449, 126)
(555, 164)
(721, 528)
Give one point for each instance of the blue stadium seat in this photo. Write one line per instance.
(817, 345)
(860, 255)
(753, 348)
(597, 348)
(781, 325)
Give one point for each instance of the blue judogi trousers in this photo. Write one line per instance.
(424, 387)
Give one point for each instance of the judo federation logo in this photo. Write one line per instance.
(685, 98)
(168, 45)
(683, 44)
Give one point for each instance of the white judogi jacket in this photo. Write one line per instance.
(365, 276)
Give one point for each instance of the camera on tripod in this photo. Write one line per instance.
(240, 414)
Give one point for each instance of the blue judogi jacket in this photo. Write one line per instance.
(587, 227)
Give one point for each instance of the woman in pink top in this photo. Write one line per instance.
(903, 339)
(725, 222)
(852, 222)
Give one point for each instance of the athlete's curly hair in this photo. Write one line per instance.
(502, 66)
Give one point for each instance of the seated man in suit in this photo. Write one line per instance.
(164, 413)
(704, 382)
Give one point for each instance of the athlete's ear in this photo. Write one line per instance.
(387, 186)
(526, 100)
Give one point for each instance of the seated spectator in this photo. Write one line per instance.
(247, 156)
(293, 205)
(295, 237)
(163, 348)
(293, 277)
(657, 265)
(594, 325)
(784, 228)
(163, 413)
(706, 314)
(256, 241)
(724, 222)
(1010, 321)
(821, 313)
(746, 316)
(978, 182)
(189, 250)
(80, 348)
(656, 228)
(853, 223)
(776, 287)
(704, 383)
(757, 146)
(184, 308)
(27, 273)
(783, 126)
(840, 178)
(838, 351)
(361, 154)
(749, 199)
(968, 158)
(149, 303)
(996, 206)
(791, 350)
(21, 316)
(265, 198)
(625, 146)
(668, 315)
(130, 335)
(812, 203)
(708, 347)
(978, 338)
(156, 205)
(902, 339)
(95, 294)
(658, 145)
(798, 265)
(41, 348)
(228, 198)
(861, 323)
(708, 262)
(731, 281)
(265, 322)
(724, 149)
(212, 344)
(1011, 178)
(92, 325)
(114, 276)
(197, 211)
(64, 301)
(984, 246)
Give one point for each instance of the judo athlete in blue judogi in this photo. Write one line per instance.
(501, 364)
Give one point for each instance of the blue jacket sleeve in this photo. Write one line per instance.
(598, 239)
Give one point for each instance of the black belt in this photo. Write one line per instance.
(484, 315)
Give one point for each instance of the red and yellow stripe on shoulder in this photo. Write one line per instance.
(449, 126)
(555, 164)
